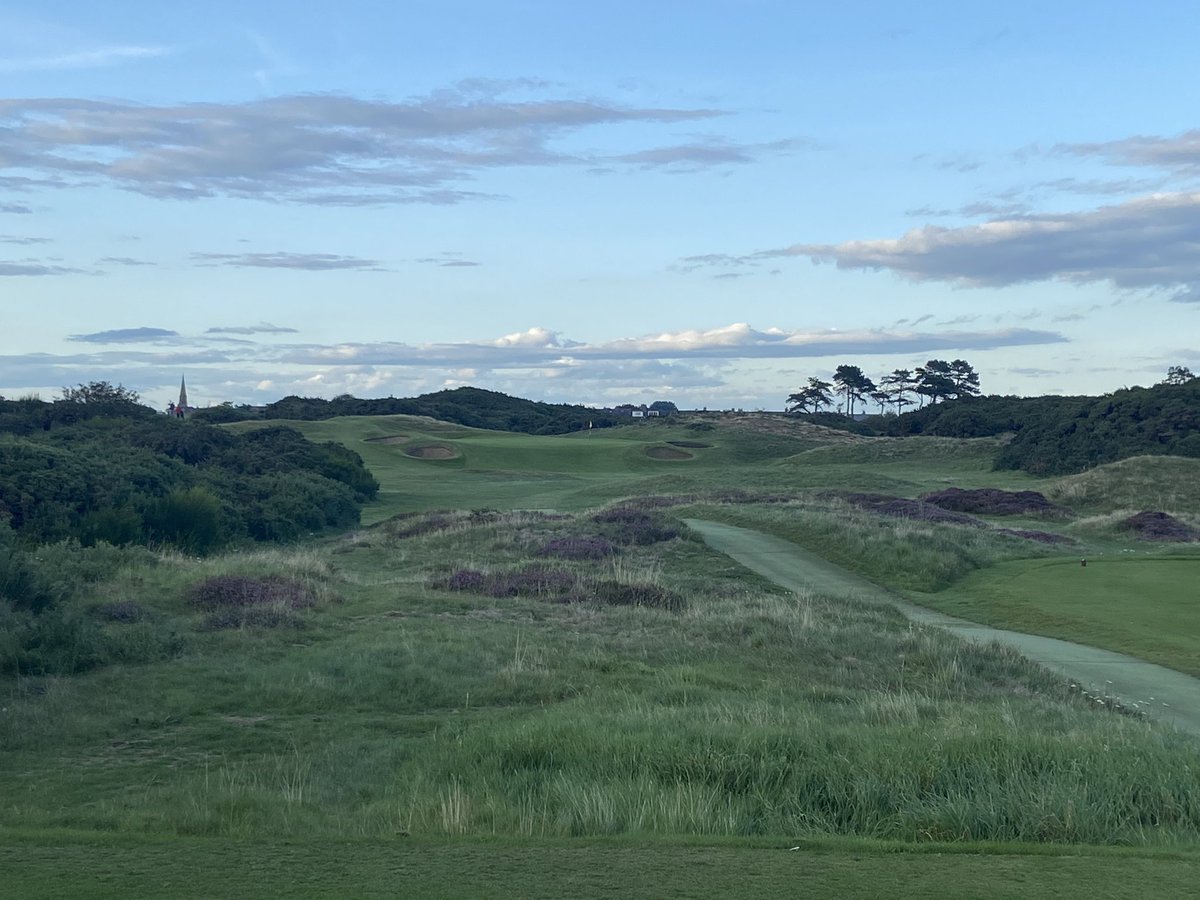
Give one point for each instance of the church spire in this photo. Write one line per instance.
(183, 404)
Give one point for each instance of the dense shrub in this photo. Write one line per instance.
(54, 641)
(189, 519)
(139, 477)
(44, 629)
(1060, 435)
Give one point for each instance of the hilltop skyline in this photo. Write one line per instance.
(702, 203)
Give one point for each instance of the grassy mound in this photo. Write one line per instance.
(1168, 483)
(924, 449)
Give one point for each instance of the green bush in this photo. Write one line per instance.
(189, 519)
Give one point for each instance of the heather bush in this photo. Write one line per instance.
(240, 591)
(620, 593)
(630, 525)
(531, 581)
(578, 548)
(122, 611)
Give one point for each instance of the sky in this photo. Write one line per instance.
(703, 202)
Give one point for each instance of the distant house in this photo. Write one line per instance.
(658, 409)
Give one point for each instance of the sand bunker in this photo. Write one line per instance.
(667, 453)
(690, 445)
(431, 451)
(390, 439)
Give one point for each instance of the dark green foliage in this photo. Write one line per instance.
(286, 507)
(1092, 431)
(189, 519)
(117, 526)
(128, 477)
(280, 450)
(473, 407)
(811, 398)
(44, 629)
(99, 392)
(1061, 435)
(55, 641)
(25, 586)
(853, 385)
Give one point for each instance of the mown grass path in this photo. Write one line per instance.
(124, 867)
(1166, 694)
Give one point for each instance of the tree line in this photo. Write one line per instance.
(473, 407)
(1058, 435)
(935, 381)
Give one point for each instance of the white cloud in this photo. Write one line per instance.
(312, 262)
(1179, 155)
(540, 347)
(98, 57)
(1149, 242)
(313, 148)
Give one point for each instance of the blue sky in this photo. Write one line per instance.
(705, 202)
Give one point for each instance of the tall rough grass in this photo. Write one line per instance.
(908, 554)
(424, 711)
(1165, 483)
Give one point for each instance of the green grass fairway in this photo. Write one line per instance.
(1145, 606)
(54, 867)
(505, 470)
